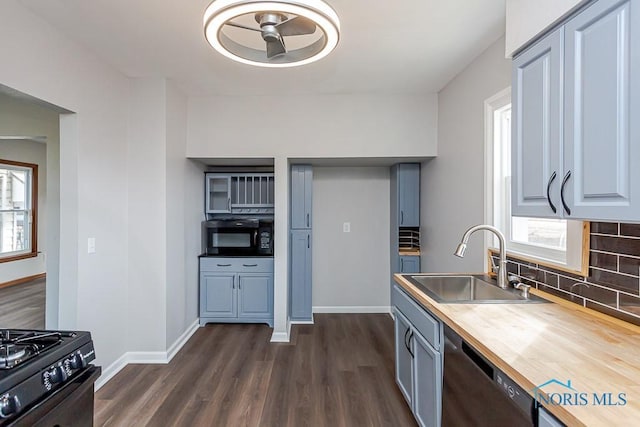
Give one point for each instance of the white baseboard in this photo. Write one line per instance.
(352, 309)
(182, 340)
(282, 336)
(146, 357)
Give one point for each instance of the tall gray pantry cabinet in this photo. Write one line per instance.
(405, 218)
(576, 99)
(300, 289)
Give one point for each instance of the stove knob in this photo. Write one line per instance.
(57, 374)
(9, 405)
(77, 361)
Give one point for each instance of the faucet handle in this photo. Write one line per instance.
(522, 287)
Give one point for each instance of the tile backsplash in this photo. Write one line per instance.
(613, 284)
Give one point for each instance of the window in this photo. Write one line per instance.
(554, 241)
(18, 202)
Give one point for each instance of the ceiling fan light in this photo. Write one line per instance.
(219, 12)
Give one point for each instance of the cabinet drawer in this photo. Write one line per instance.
(238, 265)
(424, 322)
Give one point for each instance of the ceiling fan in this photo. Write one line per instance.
(275, 26)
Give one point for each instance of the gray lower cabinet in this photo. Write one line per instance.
(300, 291)
(418, 360)
(236, 290)
(409, 264)
(545, 419)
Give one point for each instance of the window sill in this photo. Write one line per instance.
(18, 257)
(584, 271)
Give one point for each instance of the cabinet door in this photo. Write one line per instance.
(536, 143)
(404, 358)
(300, 275)
(218, 196)
(255, 295)
(427, 382)
(602, 131)
(218, 295)
(301, 189)
(409, 264)
(545, 419)
(409, 195)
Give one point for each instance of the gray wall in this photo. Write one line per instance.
(452, 190)
(351, 269)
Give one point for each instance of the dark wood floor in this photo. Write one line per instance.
(22, 306)
(338, 372)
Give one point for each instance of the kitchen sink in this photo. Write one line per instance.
(476, 289)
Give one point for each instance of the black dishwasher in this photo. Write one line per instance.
(476, 393)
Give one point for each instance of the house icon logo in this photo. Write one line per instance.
(538, 396)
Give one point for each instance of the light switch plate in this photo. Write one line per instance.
(346, 227)
(91, 245)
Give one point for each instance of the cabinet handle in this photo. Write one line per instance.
(564, 182)
(307, 220)
(551, 178)
(308, 241)
(409, 346)
(405, 340)
(223, 265)
(233, 283)
(229, 204)
(249, 265)
(401, 265)
(401, 217)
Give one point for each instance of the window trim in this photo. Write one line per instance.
(577, 261)
(34, 211)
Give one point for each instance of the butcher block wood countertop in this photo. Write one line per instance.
(534, 343)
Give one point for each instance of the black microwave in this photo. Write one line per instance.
(237, 237)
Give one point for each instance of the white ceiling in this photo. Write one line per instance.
(407, 46)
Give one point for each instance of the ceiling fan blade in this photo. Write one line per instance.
(275, 47)
(233, 24)
(297, 26)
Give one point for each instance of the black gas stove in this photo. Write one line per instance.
(36, 366)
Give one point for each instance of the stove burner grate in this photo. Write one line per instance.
(18, 346)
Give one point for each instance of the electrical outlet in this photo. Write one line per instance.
(346, 227)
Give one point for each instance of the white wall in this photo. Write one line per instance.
(184, 207)
(351, 270)
(39, 61)
(525, 19)
(313, 126)
(147, 243)
(452, 185)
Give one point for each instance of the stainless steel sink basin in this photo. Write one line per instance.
(467, 289)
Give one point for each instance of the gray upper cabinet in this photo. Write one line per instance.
(218, 193)
(602, 131)
(536, 128)
(301, 190)
(240, 193)
(585, 161)
(408, 181)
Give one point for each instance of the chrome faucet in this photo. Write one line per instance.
(502, 264)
